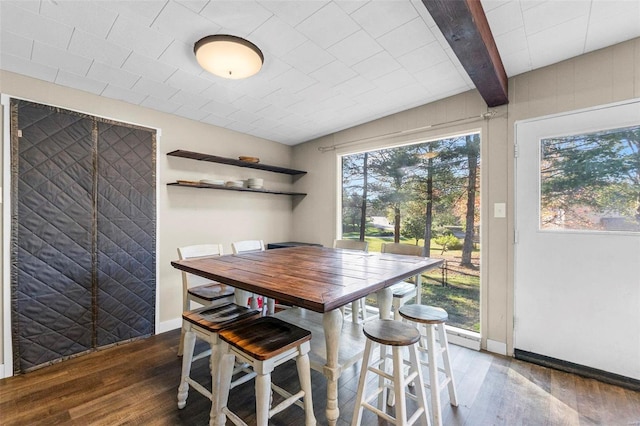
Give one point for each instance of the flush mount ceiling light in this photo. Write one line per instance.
(228, 56)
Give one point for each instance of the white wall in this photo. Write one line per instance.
(185, 215)
(600, 77)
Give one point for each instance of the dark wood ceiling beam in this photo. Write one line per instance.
(465, 27)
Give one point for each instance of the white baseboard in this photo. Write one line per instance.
(496, 347)
(169, 325)
(464, 338)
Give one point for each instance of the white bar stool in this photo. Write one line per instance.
(398, 335)
(265, 344)
(206, 323)
(432, 317)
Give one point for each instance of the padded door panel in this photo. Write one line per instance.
(126, 233)
(52, 216)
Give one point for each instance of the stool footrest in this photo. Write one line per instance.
(405, 379)
(408, 379)
(415, 416)
(379, 412)
(243, 379)
(286, 403)
(233, 417)
(283, 393)
(436, 352)
(201, 355)
(377, 392)
(413, 396)
(440, 369)
(381, 373)
(443, 384)
(197, 386)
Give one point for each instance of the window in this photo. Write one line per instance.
(427, 194)
(591, 182)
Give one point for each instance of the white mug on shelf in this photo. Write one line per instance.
(255, 183)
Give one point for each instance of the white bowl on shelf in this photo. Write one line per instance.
(255, 182)
(212, 181)
(234, 183)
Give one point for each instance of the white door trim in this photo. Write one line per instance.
(7, 344)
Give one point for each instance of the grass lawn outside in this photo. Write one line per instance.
(453, 287)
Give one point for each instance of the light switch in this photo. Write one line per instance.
(499, 210)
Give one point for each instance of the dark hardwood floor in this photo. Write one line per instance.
(136, 384)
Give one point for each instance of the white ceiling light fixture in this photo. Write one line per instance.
(228, 56)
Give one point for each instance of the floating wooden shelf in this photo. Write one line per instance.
(233, 162)
(231, 188)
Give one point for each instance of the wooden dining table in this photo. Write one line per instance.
(321, 281)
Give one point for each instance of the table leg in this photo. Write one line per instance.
(384, 298)
(332, 324)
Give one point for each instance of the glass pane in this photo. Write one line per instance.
(428, 195)
(591, 182)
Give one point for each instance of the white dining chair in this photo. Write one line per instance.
(404, 291)
(248, 246)
(201, 290)
(359, 306)
(351, 245)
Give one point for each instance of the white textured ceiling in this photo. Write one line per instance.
(329, 65)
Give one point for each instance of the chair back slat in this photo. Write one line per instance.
(196, 251)
(351, 245)
(247, 246)
(399, 248)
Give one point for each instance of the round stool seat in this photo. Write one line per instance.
(424, 314)
(391, 332)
